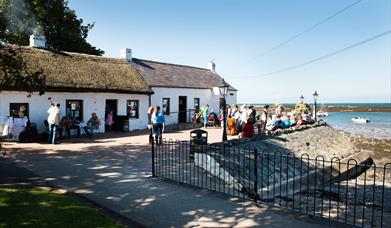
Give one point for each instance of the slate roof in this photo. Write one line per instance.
(158, 74)
(66, 71)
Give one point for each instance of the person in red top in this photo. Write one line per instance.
(248, 129)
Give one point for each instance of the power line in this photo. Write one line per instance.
(305, 31)
(321, 57)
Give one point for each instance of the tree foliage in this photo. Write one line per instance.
(60, 24)
(15, 74)
(302, 108)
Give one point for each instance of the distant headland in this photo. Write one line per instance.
(336, 107)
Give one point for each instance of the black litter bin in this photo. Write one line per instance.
(198, 139)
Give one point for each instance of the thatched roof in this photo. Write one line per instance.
(158, 74)
(80, 72)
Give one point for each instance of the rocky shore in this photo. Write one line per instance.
(321, 139)
(300, 166)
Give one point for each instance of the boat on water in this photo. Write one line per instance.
(360, 120)
(322, 114)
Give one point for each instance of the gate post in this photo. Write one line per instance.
(256, 196)
(153, 158)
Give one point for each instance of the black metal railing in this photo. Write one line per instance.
(343, 190)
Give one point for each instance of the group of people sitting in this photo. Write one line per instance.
(241, 121)
(57, 124)
(244, 120)
(18, 127)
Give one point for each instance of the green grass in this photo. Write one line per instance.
(20, 207)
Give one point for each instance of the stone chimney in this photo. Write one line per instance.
(126, 53)
(38, 41)
(212, 66)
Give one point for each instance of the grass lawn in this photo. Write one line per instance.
(25, 207)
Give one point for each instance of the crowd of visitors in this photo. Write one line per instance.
(244, 120)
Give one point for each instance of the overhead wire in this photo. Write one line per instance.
(321, 57)
(305, 31)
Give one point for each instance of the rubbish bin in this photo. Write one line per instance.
(198, 139)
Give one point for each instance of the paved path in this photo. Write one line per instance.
(114, 172)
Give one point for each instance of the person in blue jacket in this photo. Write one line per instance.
(158, 124)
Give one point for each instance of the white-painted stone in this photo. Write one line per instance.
(213, 167)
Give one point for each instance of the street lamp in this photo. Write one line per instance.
(315, 98)
(223, 87)
(301, 99)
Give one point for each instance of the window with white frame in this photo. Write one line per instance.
(166, 106)
(76, 108)
(133, 109)
(196, 103)
(17, 108)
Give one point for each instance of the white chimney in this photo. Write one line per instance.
(38, 41)
(126, 53)
(212, 66)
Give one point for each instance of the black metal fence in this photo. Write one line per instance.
(343, 190)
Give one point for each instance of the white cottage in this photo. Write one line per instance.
(81, 84)
(180, 89)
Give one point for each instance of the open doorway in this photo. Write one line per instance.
(182, 109)
(111, 111)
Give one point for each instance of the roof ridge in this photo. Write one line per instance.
(104, 57)
(172, 64)
(66, 52)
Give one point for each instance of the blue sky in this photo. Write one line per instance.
(235, 33)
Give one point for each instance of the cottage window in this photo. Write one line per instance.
(75, 107)
(196, 103)
(132, 109)
(166, 106)
(15, 108)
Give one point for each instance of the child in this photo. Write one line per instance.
(109, 120)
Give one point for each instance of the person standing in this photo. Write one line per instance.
(54, 120)
(109, 120)
(151, 111)
(158, 124)
(264, 117)
(205, 115)
(243, 117)
(279, 110)
(252, 113)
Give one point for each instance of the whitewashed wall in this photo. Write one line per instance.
(92, 102)
(206, 97)
(231, 97)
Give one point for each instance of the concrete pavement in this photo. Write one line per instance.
(115, 172)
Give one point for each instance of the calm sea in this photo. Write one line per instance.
(378, 127)
(334, 104)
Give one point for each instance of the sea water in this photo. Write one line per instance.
(378, 127)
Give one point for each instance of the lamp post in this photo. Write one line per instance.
(315, 98)
(223, 88)
(301, 99)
